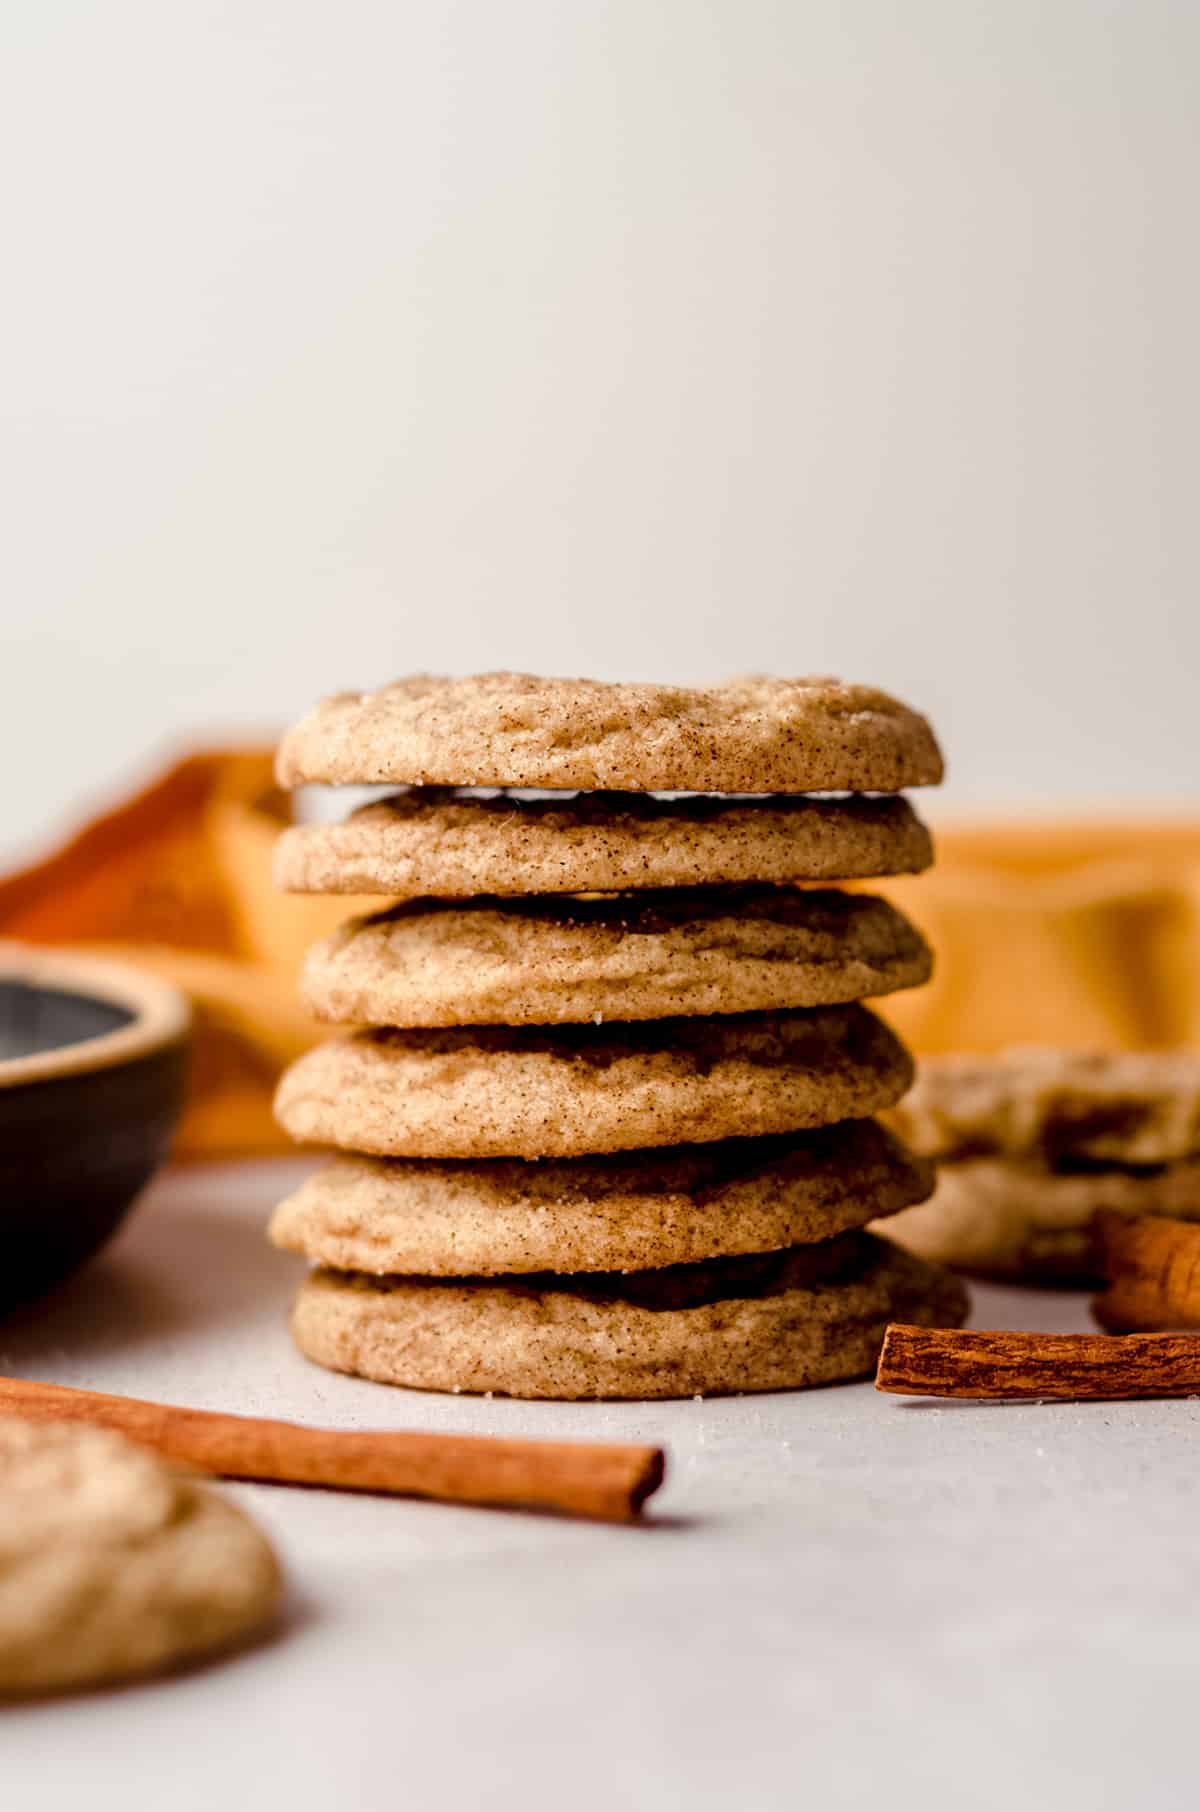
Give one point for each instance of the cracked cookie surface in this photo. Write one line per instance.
(537, 1091)
(678, 953)
(750, 735)
(621, 1213)
(454, 843)
(774, 1321)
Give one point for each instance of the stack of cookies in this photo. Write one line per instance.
(608, 1132)
(1032, 1144)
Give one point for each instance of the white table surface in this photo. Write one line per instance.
(841, 1599)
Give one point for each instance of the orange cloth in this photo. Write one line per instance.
(1071, 933)
(178, 879)
(1076, 933)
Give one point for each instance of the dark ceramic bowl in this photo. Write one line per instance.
(93, 1063)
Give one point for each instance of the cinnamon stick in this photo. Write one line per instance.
(607, 1481)
(960, 1362)
(1153, 1268)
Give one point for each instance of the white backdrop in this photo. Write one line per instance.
(642, 337)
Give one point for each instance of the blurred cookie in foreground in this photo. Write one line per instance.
(113, 1565)
(1031, 1144)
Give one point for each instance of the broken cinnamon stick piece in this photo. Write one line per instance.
(1153, 1271)
(605, 1481)
(961, 1362)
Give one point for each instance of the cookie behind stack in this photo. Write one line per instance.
(614, 1145)
(1032, 1143)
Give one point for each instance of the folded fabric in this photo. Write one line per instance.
(178, 880)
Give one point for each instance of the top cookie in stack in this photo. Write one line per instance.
(610, 1120)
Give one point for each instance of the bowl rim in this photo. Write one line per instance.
(162, 1015)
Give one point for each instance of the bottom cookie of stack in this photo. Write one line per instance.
(762, 1321)
(691, 1270)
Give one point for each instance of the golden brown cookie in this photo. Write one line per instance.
(751, 735)
(1019, 1219)
(441, 842)
(535, 1091)
(562, 961)
(112, 1564)
(620, 1213)
(1135, 1107)
(773, 1321)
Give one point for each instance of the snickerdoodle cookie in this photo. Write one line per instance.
(620, 1213)
(536, 1091)
(1132, 1107)
(1018, 1218)
(559, 960)
(772, 1321)
(751, 735)
(451, 843)
(113, 1565)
